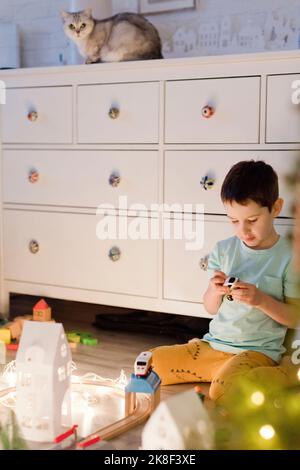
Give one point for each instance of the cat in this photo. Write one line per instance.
(122, 37)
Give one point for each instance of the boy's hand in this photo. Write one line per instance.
(216, 283)
(247, 293)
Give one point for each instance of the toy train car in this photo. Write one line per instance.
(142, 365)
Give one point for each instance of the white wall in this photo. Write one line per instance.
(42, 39)
(214, 27)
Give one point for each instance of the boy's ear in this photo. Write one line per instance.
(278, 204)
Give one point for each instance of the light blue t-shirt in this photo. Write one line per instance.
(238, 327)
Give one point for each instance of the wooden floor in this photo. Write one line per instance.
(115, 351)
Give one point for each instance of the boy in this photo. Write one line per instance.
(249, 327)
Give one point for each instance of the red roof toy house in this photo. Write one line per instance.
(41, 311)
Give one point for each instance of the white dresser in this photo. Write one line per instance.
(160, 135)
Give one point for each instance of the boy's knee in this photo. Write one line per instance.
(269, 377)
(223, 386)
(224, 381)
(217, 389)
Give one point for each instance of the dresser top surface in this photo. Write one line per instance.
(160, 64)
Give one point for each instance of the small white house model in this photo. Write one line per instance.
(179, 423)
(43, 391)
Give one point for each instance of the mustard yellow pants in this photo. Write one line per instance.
(197, 361)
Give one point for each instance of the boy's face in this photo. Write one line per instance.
(254, 224)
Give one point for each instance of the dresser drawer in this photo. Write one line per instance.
(213, 110)
(184, 276)
(38, 115)
(80, 178)
(283, 108)
(118, 113)
(188, 174)
(70, 254)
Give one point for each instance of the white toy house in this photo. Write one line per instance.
(43, 392)
(179, 423)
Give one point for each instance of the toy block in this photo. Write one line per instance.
(15, 329)
(41, 311)
(73, 337)
(12, 347)
(23, 318)
(82, 337)
(5, 335)
(83, 334)
(89, 341)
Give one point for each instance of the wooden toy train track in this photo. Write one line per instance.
(134, 413)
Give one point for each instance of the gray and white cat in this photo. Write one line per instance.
(126, 36)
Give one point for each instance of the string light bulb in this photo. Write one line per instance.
(267, 432)
(258, 398)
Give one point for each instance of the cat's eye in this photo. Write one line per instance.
(83, 26)
(72, 27)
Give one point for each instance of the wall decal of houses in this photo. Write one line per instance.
(43, 392)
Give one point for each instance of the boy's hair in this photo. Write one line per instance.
(255, 180)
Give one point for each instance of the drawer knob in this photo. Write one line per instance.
(114, 180)
(114, 113)
(32, 116)
(208, 112)
(34, 247)
(207, 183)
(33, 176)
(203, 263)
(114, 253)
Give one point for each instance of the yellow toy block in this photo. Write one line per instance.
(73, 337)
(41, 311)
(5, 335)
